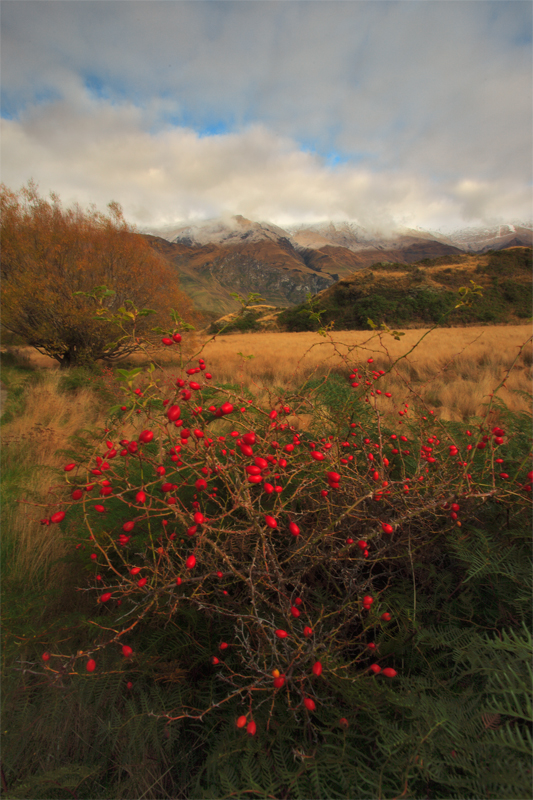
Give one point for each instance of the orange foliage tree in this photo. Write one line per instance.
(52, 260)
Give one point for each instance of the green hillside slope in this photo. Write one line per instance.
(419, 294)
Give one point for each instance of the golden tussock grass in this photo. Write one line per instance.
(30, 445)
(453, 370)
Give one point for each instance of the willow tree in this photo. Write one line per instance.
(52, 260)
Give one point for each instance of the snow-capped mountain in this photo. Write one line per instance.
(346, 234)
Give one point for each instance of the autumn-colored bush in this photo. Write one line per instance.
(52, 258)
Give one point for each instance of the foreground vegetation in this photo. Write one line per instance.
(372, 553)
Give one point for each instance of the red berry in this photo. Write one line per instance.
(386, 616)
(191, 562)
(105, 597)
(69, 467)
(173, 413)
(251, 728)
(279, 682)
(317, 669)
(308, 632)
(215, 660)
(375, 668)
(271, 522)
(91, 665)
(281, 634)
(309, 704)
(389, 672)
(295, 612)
(241, 721)
(140, 497)
(198, 518)
(45, 656)
(294, 529)
(146, 436)
(126, 651)
(343, 722)
(58, 516)
(223, 645)
(142, 582)
(129, 685)
(387, 528)
(176, 337)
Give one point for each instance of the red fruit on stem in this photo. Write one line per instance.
(375, 668)
(69, 467)
(176, 337)
(270, 521)
(294, 529)
(387, 528)
(191, 562)
(281, 634)
(215, 661)
(333, 477)
(58, 516)
(105, 597)
(173, 413)
(241, 721)
(90, 665)
(140, 497)
(308, 632)
(309, 704)
(343, 722)
(129, 685)
(126, 651)
(128, 526)
(367, 600)
(251, 728)
(279, 682)
(389, 672)
(146, 436)
(46, 656)
(386, 616)
(142, 582)
(317, 456)
(317, 669)
(295, 612)
(198, 518)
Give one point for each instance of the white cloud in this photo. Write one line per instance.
(428, 104)
(92, 151)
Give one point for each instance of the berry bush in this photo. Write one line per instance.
(332, 582)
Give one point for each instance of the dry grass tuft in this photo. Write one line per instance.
(30, 443)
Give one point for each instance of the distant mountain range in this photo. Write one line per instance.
(220, 256)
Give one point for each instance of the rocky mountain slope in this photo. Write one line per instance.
(218, 257)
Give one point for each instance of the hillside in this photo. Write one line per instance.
(402, 295)
(214, 260)
(274, 269)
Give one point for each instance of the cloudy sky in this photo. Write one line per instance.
(415, 112)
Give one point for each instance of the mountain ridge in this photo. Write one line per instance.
(222, 256)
